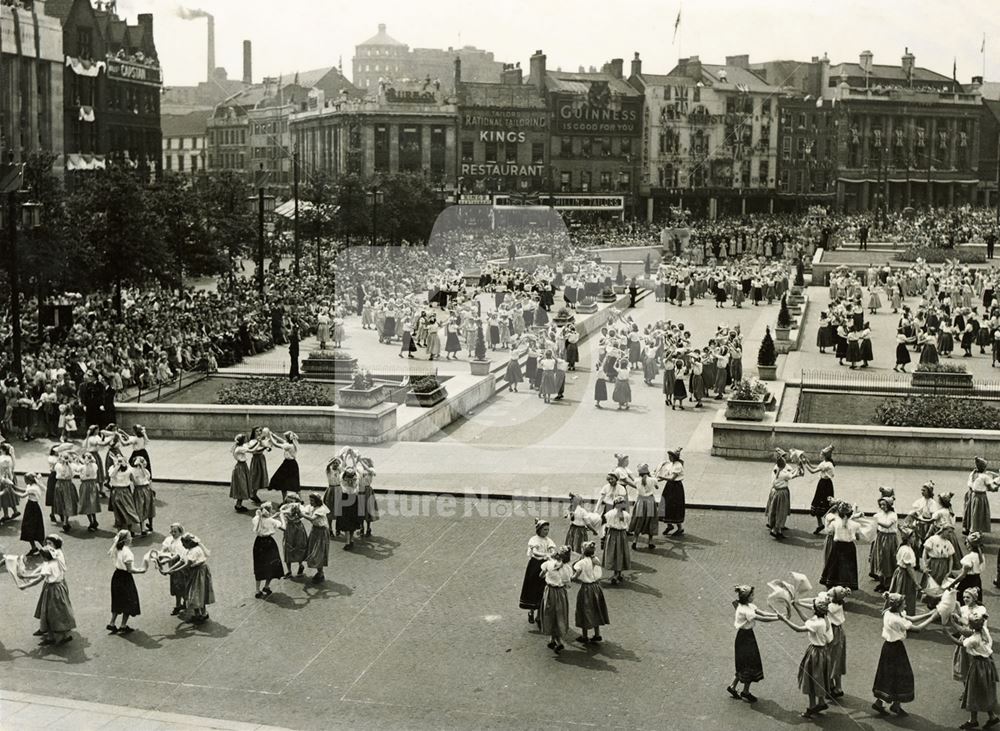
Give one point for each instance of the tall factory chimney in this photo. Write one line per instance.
(247, 62)
(211, 47)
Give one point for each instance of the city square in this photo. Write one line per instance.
(449, 387)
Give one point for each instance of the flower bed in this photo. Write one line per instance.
(938, 413)
(272, 392)
(937, 255)
(940, 368)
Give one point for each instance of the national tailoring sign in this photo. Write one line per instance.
(580, 114)
(508, 120)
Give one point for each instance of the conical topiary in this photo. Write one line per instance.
(619, 277)
(648, 268)
(480, 343)
(784, 318)
(767, 355)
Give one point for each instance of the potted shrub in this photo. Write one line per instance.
(800, 276)
(587, 306)
(480, 365)
(330, 363)
(563, 317)
(363, 393)
(619, 280)
(426, 391)
(784, 320)
(767, 357)
(748, 400)
(608, 295)
(647, 268)
(942, 376)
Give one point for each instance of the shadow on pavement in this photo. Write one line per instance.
(375, 547)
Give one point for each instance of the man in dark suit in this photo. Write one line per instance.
(293, 353)
(863, 237)
(991, 242)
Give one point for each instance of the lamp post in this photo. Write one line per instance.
(265, 204)
(11, 180)
(375, 196)
(295, 194)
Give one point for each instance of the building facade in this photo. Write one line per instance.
(807, 145)
(709, 140)
(31, 83)
(906, 136)
(383, 58)
(400, 128)
(503, 136)
(111, 90)
(185, 142)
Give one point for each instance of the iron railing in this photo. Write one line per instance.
(868, 380)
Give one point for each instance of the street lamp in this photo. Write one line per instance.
(375, 196)
(11, 179)
(265, 204)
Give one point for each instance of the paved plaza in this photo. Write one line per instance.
(419, 629)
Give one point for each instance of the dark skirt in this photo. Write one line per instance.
(749, 666)
(239, 483)
(902, 583)
(50, 489)
(124, 596)
(296, 543)
(90, 503)
(894, 676)
(346, 509)
(600, 389)
(680, 390)
(841, 567)
(591, 609)
(644, 519)
(821, 498)
(258, 473)
(145, 504)
(838, 652)
(54, 610)
(572, 353)
(555, 611)
(902, 354)
(530, 366)
(318, 547)
(533, 585)
(286, 477)
(814, 672)
(616, 551)
(514, 375)
(123, 505)
(576, 536)
(778, 508)
(266, 559)
(66, 500)
(32, 525)
(200, 592)
(673, 504)
(133, 458)
(882, 559)
(980, 694)
(408, 346)
(179, 581)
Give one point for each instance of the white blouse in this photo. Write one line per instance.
(616, 520)
(540, 548)
(906, 558)
(972, 563)
(587, 571)
(819, 631)
(577, 517)
(746, 615)
(608, 493)
(123, 557)
(887, 522)
(265, 526)
(825, 469)
(670, 471)
(52, 571)
(557, 573)
(174, 546)
(979, 644)
(645, 486)
(894, 627)
(196, 556)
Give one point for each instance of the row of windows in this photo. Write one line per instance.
(594, 147)
(227, 161)
(375, 51)
(388, 68)
(178, 143)
(168, 163)
(605, 181)
(226, 136)
(502, 152)
(269, 128)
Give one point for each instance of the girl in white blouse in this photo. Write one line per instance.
(540, 549)
(173, 552)
(749, 667)
(882, 559)
(556, 574)
(894, 676)
(814, 670)
(124, 596)
(616, 553)
(980, 694)
(267, 564)
(591, 609)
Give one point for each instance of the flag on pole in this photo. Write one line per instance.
(677, 23)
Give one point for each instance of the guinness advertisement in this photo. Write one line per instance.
(599, 116)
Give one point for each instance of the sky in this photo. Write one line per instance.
(307, 34)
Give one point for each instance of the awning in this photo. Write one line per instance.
(287, 209)
(83, 67)
(76, 161)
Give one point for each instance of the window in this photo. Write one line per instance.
(168, 162)
(467, 150)
(194, 163)
(438, 151)
(564, 181)
(783, 181)
(585, 177)
(491, 152)
(537, 153)
(696, 95)
(764, 173)
(624, 180)
(410, 150)
(605, 180)
(626, 146)
(566, 146)
(180, 163)
(786, 149)
(84, 43)
(585, 147)
(666, 93)
(381, 148)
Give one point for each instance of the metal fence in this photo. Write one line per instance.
(154, 392)
(866, 380)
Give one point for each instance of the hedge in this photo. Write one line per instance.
(273, 392)
(938, 255)
(938, 412)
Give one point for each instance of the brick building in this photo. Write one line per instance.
(111, 89)
(185, 142)
(31, 79)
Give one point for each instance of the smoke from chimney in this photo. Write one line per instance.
(192, 13)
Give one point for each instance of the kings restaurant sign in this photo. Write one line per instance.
(576, 116)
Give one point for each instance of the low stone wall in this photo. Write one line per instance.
(860, 445)
(821, 269)
(215, 422)
(433, 420)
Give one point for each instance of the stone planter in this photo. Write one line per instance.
(744, 410)
(432, 398)
(620, 289)
(781, 333)
(607, 297)
(771, 403)
(479, 367)
(767, 373)
(956, 381)
(796, 290)
(587, 309)
(361, 398)
(563, 321)
(330, 367)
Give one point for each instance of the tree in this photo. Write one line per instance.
(228, 218)
(767, 355)
(353, 218)
(185, 229)
(47, 259)
(619, 276)
(784, 318)
(480, 343)
(119, 231)
(408, 210)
